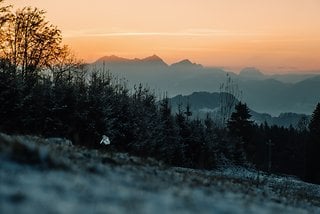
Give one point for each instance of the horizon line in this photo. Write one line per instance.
(233, 69)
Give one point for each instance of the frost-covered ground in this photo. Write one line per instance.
(47, 176)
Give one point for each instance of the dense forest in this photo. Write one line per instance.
(45, 91)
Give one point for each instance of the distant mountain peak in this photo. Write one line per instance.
(186, 63)
(154, 59)
(112, 58)
(251, 71)
(151, 60)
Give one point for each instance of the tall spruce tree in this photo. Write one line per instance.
(313, 148)
(314, 125)
(239, 123)
(240, 127)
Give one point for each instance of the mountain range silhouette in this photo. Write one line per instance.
(272, 94)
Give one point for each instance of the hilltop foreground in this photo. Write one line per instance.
(52, 176)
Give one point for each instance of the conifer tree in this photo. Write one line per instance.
(314, 125)
(240, 126)
(313, 148)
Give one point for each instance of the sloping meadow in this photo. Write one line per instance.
(53, 176)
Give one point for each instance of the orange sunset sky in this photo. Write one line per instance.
(273, 35)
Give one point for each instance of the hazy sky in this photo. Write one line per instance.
(274, 35)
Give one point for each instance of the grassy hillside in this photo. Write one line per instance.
(52, 176)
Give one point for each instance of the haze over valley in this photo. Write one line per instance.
(265, 93)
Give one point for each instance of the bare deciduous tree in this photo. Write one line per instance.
(230, 94)
(4, 13)
(65, 65)
(28, 41)
(5, 16)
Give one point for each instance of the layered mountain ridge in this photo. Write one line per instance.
(268, 93)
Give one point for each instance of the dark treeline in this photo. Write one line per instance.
(83, 106)
(44, 91)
